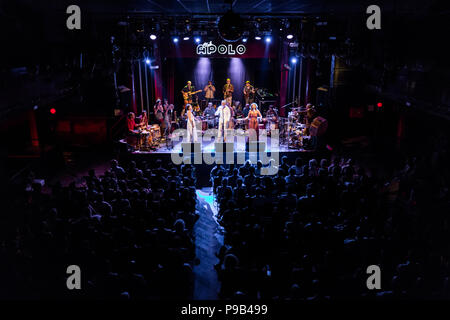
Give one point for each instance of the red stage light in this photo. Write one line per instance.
(52, 110)
(379, 104)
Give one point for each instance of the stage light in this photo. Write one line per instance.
(197, 40)
(186, 38)
(175, 39)
(257, 38)
(52, 110)
(147, 61)
(379, 104)
(294, 60)
(290, 36)
(268, 39)
(244, 40)
(153, 37)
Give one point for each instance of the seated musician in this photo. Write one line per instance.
(131, 123)
(133, 136)
(271, 114)
(246, 110)
(209, 111)
(143, 123)
(238, 109)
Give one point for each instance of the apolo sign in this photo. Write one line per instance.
(208, 48)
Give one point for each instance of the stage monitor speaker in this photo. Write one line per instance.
(318, 126)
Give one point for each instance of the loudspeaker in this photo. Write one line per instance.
(318, 126)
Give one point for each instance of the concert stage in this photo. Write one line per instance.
(239, 146)
(165, 154)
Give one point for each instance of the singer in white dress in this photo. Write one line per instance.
(191, 127)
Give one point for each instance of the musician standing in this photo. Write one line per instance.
(249, 93)
(158, 110)
(228, 90)
(170, 118)
(209, 92)
(187, 93)
(224, 113)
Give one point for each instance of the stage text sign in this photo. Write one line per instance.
(208, 48)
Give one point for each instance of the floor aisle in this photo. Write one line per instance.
(208, 240)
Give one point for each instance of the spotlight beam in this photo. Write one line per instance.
(182, 4)
(153, 3)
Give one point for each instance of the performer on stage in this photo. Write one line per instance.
(272, 118)
(191, 128)
(253, 115)
(170, 119)
(187, 93)
(209, 114)
(209, 92)
(246, 110)
(271, 114)
(249, 93)
(224, 113)
(143, 123)
(159, 112)
(228, 90)
(131, 123)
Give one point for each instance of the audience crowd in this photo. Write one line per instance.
(129, 230)
(307, 233)
(311, 231)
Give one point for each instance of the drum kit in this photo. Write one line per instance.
(149, 137)
(293, 129)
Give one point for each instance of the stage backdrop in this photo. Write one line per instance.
(187, 61)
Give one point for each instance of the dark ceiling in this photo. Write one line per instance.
(251, 7)
(183, 7)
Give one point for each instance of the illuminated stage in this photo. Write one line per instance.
(239, 146)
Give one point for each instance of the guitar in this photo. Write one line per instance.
(187, 95)
(253, 91)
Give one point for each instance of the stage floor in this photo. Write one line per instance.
(209, 147)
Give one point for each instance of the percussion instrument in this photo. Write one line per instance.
(146, 139)
(155, 131)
